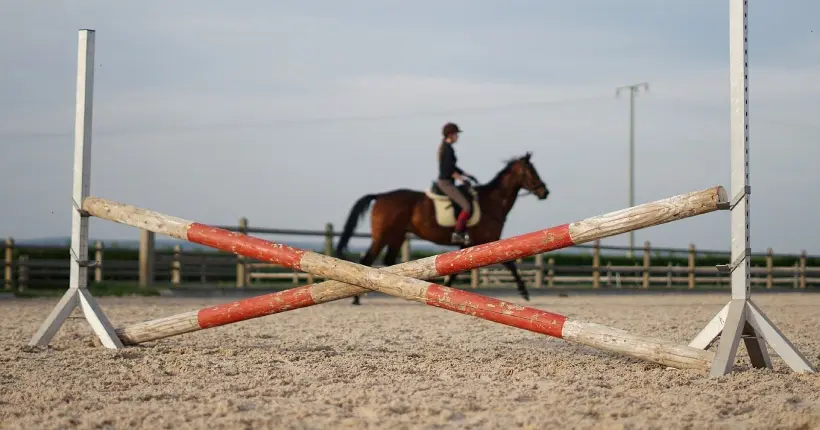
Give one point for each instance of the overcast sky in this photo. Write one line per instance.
(286, 112)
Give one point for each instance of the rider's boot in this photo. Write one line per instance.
(460, 235)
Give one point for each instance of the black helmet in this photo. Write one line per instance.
(449, 129)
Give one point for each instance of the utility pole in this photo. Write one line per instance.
(633, 89)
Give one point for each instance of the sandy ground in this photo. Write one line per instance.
(396, 364)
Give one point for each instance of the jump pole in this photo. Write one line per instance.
(388, 282)
(522, 246)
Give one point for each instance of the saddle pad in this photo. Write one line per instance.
(445, 215)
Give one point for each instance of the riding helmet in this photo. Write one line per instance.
(449, 129)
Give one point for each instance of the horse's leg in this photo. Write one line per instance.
(522, 288)
(391, 255)
(369, 257)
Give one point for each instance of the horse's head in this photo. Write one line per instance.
(527, 176)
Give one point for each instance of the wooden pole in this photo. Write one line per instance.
(399, 285)
(146, 258)
(646, 263)
(8, 273)
(176, 266)
(328, 239)
(691, 268)
(596, 264)
(98, 258)
(803, 269)
(653, 213)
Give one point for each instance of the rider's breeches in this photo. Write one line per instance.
(449, 188)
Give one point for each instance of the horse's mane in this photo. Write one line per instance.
(496, 181)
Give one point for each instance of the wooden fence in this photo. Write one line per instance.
(174, 267)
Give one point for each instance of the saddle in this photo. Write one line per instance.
(447, 210)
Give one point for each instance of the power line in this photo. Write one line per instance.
(281, 121)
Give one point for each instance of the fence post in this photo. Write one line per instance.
(596, 264)
(769, 268)
(550, 273)
(176, 265)
(241, 266)
(98, 257)
(22, 273)
(474, 278)
(646, 263)
(146, 259)
(539, 270)
(9, 264)
(796, 277)
(405, 250)
(692, 258)
(329, 239)
(803, 269)
(669, 274)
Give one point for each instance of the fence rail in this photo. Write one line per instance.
(148, 266)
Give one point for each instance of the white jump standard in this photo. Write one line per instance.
(78, 293)
(741, 317)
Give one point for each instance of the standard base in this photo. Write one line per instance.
(742, 318)
(93, 314)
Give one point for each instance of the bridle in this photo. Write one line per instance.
(526, 192)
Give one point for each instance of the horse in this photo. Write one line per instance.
(399, 211)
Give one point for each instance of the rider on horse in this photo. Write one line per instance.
(447, 173)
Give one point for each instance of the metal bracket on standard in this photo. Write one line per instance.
(729, 268)
(736, 199)
(83, 213)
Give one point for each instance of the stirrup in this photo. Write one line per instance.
(460, 238)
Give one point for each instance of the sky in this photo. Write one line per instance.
(286, 112)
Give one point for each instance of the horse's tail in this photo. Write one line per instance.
(356, 213)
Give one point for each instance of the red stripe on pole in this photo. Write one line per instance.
(255, 307)
(248, 246)
(496, 310)
(505, 250)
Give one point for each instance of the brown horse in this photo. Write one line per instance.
(400, 211)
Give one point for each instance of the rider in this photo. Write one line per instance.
(447, 173)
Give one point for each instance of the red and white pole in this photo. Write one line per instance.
(399, 280)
